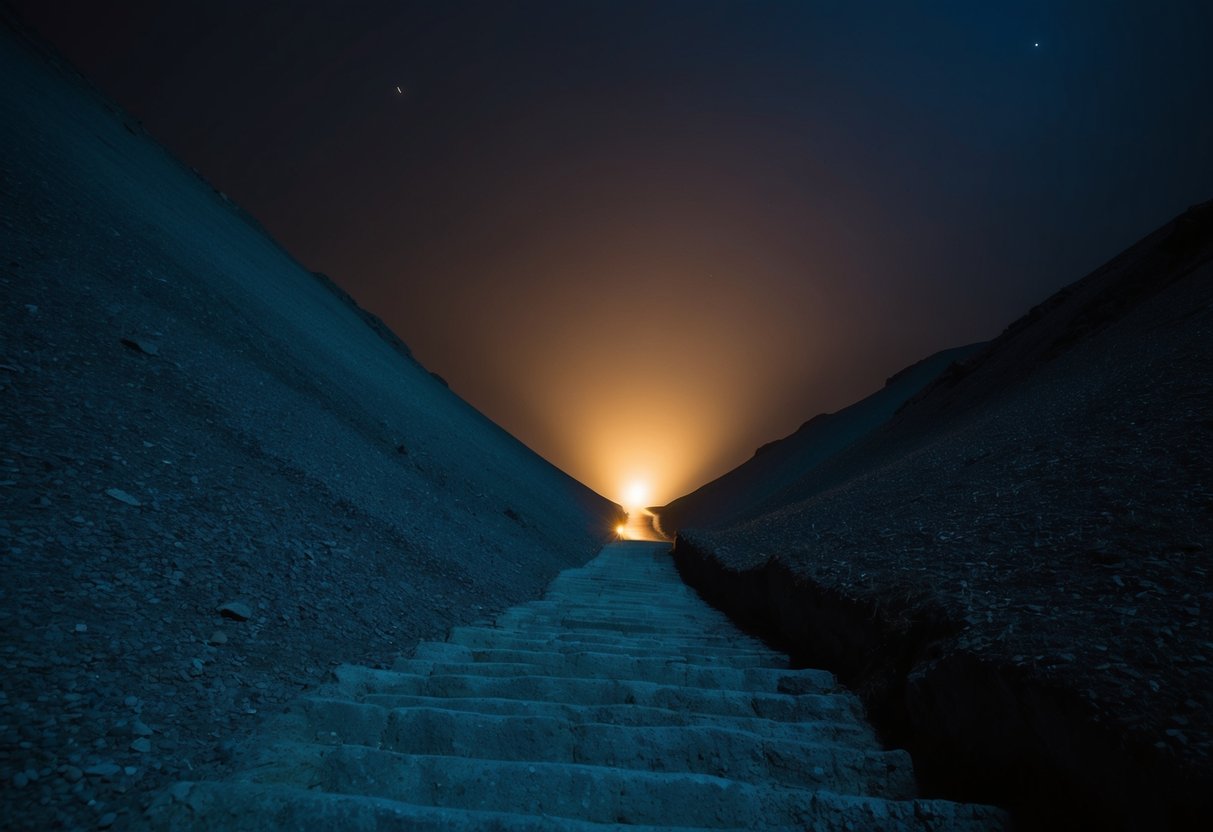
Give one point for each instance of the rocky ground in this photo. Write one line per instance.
(1046, 512)
(216, 480)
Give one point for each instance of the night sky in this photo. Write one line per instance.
(646, 238)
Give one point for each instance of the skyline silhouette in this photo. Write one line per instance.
(648, 238)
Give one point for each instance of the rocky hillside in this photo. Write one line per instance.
(1015, 570)
(218, 476)
(744, 491)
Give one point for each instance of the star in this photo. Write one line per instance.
(398, 90)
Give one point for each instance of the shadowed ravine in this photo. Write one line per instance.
(620, 698)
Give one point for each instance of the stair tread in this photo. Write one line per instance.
(575, 790)
(246, 807)
(242, 807)
(660, 671)
(604, 692)
(532, 655)
(618, 700)
(614, 714)
(790, 755)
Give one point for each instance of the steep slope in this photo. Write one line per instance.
(1015, 570)
(777, 465)
(219, 476)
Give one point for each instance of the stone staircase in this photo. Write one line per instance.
(620, 699)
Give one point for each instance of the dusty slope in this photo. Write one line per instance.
(1016, 570)
(757, 482)
(268, 446)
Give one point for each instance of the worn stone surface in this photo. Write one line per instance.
(633, 704)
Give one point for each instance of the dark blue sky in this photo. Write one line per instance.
(647, 237)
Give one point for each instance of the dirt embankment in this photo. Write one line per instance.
(217, 479)
(758, 482)
(1015, 571)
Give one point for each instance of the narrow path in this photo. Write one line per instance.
(619, 699)
(642, 525)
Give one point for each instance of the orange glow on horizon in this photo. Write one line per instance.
(635, 495)
(642, 364)
(640, 526)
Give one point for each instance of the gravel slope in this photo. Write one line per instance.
(1016, 569)
(750, 488)
(188, 418)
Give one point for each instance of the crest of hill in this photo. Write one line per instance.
(779, 464)
(190, 422)
(1014, 569)
(1071, 319)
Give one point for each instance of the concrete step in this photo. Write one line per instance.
(545, 624)
(619, 700)
(627, 668)
(608, 568)
(245, 807)
(651, 583)
(555, 638)
(583, 792)
(636, 576)
(489, 638)
(652, 602)
(783, 753)
(672, 618)
(650, 623)
(636, 612)
(655, 592)
(373, 685)
(609, 606)
(445, 651)
(250, 807)
(363, 719)
(590, 608)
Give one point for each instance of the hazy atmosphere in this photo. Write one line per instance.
(601, 222)
(550, 416)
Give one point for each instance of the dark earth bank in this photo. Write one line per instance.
(759, 481)
(218, 477)
(1014, 571)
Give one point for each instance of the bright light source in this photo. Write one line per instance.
(636, 494)
(621, 529)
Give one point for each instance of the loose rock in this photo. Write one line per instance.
(141, 345)
(102, 770)
(122, 497)
(141, 730)
(236, 610)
